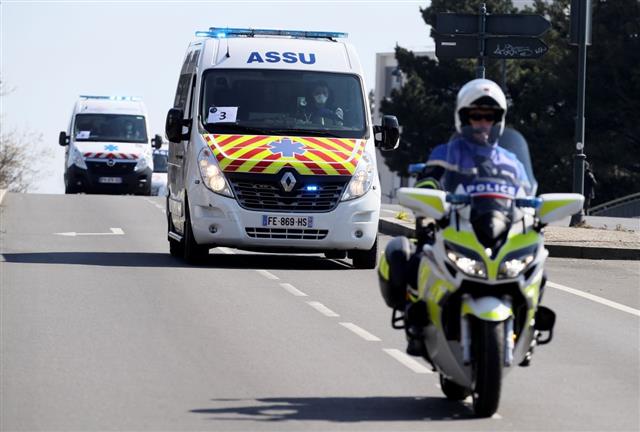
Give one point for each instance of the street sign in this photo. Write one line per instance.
(515, 48)
(495, 47)
(497, 25)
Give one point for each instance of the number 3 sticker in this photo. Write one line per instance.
(222, 114)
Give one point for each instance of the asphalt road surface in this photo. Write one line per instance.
(102, 330)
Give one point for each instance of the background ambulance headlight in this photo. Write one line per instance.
(142, 164)
(211, 173)
(77, 159)
(362, 179)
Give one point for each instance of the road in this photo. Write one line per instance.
(102, 330)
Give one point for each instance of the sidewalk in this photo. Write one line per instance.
(615, 242)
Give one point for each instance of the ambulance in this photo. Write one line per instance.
(271, 147)
(107, 146)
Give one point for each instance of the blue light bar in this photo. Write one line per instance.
(312, 188)
(220, 32)
(120, 98)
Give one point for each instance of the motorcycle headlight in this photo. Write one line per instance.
(211, 173)
(516, 262)
(141, 164)
(467, 261)
(76, 158)
(362, 179)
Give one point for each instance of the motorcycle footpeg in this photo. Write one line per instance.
(545, 321)
(397, 319)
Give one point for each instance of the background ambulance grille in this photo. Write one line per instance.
(286, 233)
(119, 168)
(268, 194)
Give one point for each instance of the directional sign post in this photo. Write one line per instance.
(504, 36)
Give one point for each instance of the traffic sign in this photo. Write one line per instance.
(498, 24)
(495, 47)
(515, 48)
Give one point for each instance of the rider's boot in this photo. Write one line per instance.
(415, 322)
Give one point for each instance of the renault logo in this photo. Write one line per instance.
(111, 163)
(288, 181)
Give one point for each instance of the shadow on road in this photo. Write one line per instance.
(164, 260)
(339, 409)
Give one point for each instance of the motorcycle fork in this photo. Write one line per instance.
(465, 336)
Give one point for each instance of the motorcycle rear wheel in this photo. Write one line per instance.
(488, 343)
(452, 390)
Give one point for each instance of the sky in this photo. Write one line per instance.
(53, 51)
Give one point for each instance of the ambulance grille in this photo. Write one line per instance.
(286, 233)
(102, 168)
(268, 194)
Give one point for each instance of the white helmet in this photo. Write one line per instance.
(480, 93)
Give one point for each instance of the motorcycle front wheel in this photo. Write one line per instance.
(488, 343)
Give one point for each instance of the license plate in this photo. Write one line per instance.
(287, 221)
(110, 180)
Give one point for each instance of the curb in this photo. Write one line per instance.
(390, 227)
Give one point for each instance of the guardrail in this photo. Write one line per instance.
(619, 203)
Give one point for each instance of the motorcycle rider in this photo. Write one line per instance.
(480, 113)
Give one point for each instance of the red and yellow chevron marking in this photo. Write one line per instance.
(107, 155)
(266, 154)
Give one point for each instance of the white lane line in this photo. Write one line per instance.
(407, 361)
(114, 231)
(293, 290)
(360, 332)
(322, 309)
(268, 275)
(496, 416)
(595, 298)
(226, 250)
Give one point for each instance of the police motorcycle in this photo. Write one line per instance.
(479, 284)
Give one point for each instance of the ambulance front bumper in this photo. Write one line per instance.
(220, 221)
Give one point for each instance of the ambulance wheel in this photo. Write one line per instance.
(452, 390)
(365, 259)
(193, 252)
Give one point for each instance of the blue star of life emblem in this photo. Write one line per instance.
(287, 147)
(111, 147)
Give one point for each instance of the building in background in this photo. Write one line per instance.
(389, 78)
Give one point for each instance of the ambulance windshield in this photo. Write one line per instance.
(110, 127)
(283, 102)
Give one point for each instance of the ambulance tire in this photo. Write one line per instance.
(193, 252)
(365, 259)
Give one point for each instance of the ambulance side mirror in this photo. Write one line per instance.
(389, 133)
(173, 126)
(156, 142)
(63, 139)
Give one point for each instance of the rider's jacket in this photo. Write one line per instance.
(464, 157)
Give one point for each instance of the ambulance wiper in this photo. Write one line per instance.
(318, 132)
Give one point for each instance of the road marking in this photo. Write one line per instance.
(595, 298)
(268, 275)
(114, 231)
(226, 250)
(496, 416)
(293, 290)
(407, 361)
(360, 332)
(322, 309)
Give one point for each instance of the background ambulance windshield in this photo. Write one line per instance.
(110, 127)
(279, 102)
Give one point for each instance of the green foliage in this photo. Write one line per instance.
(543, 94)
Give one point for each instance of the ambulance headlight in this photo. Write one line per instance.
(466, 260)
(362, 179)
(516, 262)
(211, 173)
(141, 164)
(76, 158)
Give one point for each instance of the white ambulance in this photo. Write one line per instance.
(271, 147)
(107, 146)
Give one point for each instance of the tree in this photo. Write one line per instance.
(544, 95)
(17, 166)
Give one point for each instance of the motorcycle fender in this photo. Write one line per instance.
(487, 308)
